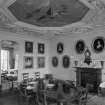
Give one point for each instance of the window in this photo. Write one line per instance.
(4, 60)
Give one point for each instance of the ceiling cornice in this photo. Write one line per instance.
(4, 19)
(7, 25)
(20, 27)
(95, 19)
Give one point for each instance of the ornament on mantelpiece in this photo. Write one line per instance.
(102, 64)
(76, 63)
(87, 55)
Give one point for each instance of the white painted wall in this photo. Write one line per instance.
(21, 51)
(69, 43)
(69, 49)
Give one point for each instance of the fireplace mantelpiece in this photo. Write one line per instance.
(88, 77)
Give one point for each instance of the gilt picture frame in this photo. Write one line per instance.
(98, 44)
(28, 47)
(41, 48)
(28, 62)
(65, 61)
(54, 61)
(60, 48)
(80, 46)
(40, 62)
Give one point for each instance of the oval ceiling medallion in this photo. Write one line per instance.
(54, 61)
(60, 48)
(66, 61)
(98, 44)
(80, 46)
(48, 13)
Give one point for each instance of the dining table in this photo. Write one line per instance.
(32, 86)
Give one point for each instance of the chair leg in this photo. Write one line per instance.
(62, 103)
(27, 101)
(35, 99)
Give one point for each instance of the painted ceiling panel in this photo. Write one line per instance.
(50, 13)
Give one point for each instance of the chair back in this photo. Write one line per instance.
(37, 75)
(25, 76)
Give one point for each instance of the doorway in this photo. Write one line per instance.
(9, 64)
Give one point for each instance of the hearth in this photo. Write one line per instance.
(88, 77)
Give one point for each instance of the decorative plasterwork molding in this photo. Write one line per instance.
(93, 20)
(94, 4)
(4, 19)
(6, 3)
(20, 30)
(73, 31)
(8, 25)
(95, 17)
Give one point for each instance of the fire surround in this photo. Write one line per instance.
(88, 77)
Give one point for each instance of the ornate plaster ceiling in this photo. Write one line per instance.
(48, 13)
(91, 16)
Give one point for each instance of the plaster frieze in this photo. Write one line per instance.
(91, 21)
(7, 25)
(94, 4)
(4, 19)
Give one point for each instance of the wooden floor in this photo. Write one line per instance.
(8, 98)
(12, 98)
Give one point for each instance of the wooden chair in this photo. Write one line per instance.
(46, 96)
(25, 76)
(71, 94)
(15, 82)
(83, 96)
(37, 75)
(43, 94)
(40, 94)
(101, 89)
(23, 93)
(23, 84)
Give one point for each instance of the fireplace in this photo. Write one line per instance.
(88, 77)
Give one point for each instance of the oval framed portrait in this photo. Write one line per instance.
(98, 44)
(66, 61)
(60, 48)
(54, 61)
(80, 46)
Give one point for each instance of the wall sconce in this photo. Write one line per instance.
(87, 55)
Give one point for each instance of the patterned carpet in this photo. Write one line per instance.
(96, 100)
(11, 98)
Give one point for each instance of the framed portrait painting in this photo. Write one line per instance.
(41, 62)
(65, 61)
(28, 62)
(54, 61)
(98, 44)
(60, 48)
(28, 47)
(41, 48)
(80, 46)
